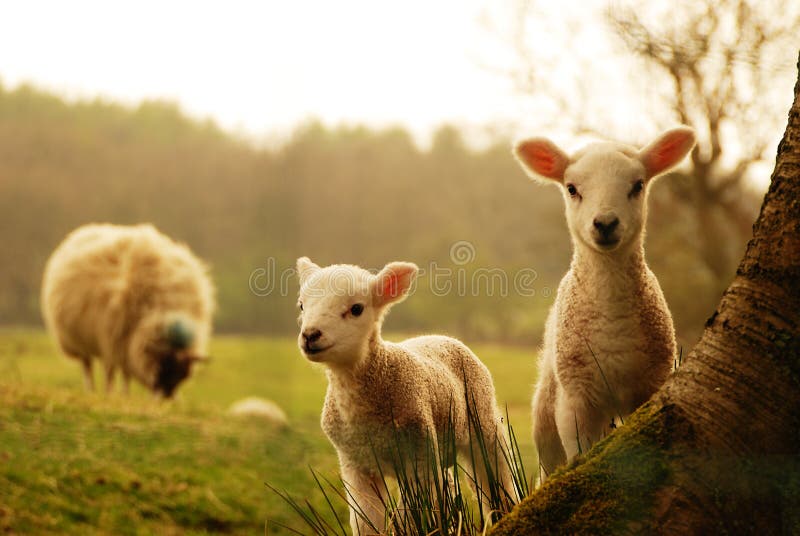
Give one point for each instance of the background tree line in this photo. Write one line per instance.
(347, 194)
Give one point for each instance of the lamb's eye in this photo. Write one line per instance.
(638, 186)
(573, 192)
(357, 309)
(300, 305)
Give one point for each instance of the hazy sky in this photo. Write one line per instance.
(262, 66)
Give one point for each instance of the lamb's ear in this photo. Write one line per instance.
(393, 283)
(305, 268)
(541, 157)
(667, 150)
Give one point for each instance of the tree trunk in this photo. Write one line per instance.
(717, 449)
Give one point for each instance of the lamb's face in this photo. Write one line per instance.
(605, 184)
(342, 308)
(336, 314)
(605, 196)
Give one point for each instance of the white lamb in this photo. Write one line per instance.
(609, 341)
(379, 391)
(132, 297)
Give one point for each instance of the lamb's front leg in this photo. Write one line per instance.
(367, 501)
(580, 425)
(545, 431)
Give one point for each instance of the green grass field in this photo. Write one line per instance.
(78, 463)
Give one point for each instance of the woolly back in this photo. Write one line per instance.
(104, 280)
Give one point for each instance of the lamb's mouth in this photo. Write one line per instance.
(309, 351)
(607, 243)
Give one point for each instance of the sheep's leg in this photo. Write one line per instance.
(502, 460)
(545, 432)
(425, 468)
(111, 373)
(88, 377)
(451, 482)
(421, 484)
(479, 481)
(366, 496)
(490, 477)
(126, 383)
(579, 424)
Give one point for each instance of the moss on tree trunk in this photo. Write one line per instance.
(717, 449)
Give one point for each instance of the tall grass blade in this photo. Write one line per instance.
(429, 482)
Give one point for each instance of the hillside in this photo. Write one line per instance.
(78, 463)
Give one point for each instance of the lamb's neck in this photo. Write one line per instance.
(608, 275)
(363, 369)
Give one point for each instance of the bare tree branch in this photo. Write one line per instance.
(714, 64)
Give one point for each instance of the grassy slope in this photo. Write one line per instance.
(77, 463)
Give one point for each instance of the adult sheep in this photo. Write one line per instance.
(609, 341)
(132, 297)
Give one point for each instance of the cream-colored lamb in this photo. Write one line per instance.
(131, 297)
(380, 391)
(609, 341)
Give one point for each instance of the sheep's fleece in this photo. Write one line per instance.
(132, 298)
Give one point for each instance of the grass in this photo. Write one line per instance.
(77, 463)
(426, 496)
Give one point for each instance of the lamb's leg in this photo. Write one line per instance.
(545, 432)
(426, 467)
(579, 424)
(366, 498)
(503, 469)
(491, 473)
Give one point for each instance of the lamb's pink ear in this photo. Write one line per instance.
(305, 268)
(393, 282)
(667, 150)
(541, 157)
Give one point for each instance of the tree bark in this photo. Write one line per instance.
(717, 449)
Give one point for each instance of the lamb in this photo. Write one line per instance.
(609, 340)
(131, 297)
(379, 389)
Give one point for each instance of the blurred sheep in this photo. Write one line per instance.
(131, 297)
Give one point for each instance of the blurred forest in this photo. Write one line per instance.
(337, 195)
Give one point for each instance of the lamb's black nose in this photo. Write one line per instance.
(311, 335)
(606, 225)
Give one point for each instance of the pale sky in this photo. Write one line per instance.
(259, 68)
(263, 66)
